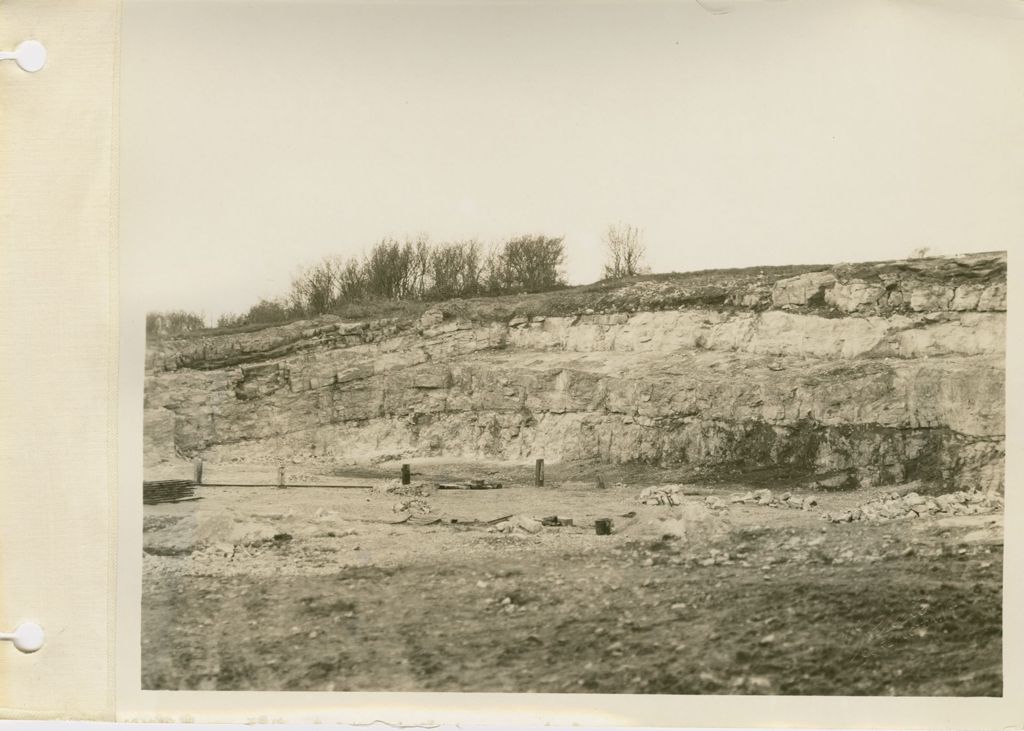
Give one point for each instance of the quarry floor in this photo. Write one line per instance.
(320, 589)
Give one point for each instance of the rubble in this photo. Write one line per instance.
(662, 495)
(896, 506)
(416, 489)
(767, 498)
(413, 505)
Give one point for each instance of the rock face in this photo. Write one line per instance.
(880, 373)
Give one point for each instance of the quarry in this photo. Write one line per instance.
(801, 471)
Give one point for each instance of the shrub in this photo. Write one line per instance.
(172, 322)
(531, 264)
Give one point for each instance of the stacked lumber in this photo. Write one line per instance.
(168, 491)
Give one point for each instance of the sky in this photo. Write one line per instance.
(259, 136)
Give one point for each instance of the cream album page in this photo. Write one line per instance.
(526, 363)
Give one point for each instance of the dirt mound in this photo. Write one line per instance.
(194, 532)
(690, 521)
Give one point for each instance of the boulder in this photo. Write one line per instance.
(966, 297)
(855, 295)
(930, 297)
(993, 298)
(528, 524)
(431, 318)
(799, 290)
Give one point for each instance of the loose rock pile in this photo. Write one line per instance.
(395, 487)
(769, 499)
(674, 495)
(413, 505)
(894, 506)
(662, 495)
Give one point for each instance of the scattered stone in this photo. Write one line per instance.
(413, 505)
(894, 506)
(766, 498)
(228, 549)
(395, 487)
(662, 495)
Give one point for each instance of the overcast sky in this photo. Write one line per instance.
(259, 136)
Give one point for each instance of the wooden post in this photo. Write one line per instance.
(406, 474)
(538, 473)
(197, 466)
(280, 476)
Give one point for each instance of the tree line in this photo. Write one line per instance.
(419, 270)
(414, 270)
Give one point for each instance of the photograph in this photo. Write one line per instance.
(575, 347)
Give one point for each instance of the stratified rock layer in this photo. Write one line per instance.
(885, 373)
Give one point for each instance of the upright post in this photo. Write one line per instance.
(280, 476)
(406, 474)
(197, 466)
(538, 473)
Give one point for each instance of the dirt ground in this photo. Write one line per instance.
(323, 589)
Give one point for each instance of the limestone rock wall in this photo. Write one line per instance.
(878, 392)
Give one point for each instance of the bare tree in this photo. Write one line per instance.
(921, 252)
(625, 250)
(419, 268)
(313, 288)
(351, 276)
(492, 275)
(388, 268)
(455, 270)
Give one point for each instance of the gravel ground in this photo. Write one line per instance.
(323, 589)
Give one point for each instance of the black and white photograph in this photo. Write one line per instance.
(583, 348)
